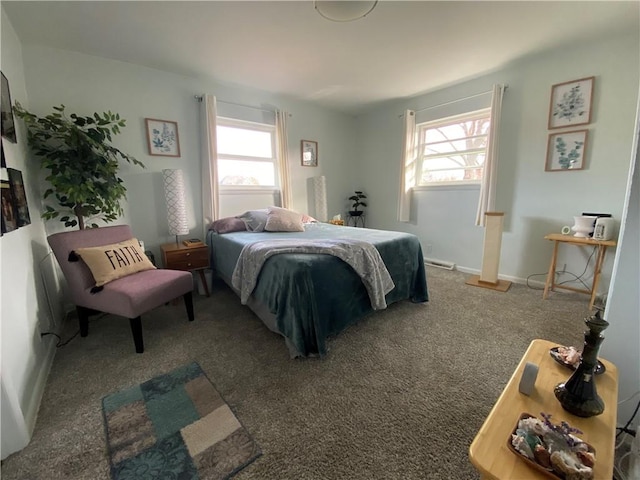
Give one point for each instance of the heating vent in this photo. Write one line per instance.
(434, 262)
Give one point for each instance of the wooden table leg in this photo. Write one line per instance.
(596, 274)
(203, 278)
(551, 276)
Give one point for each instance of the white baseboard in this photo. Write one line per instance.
(32, 407)
(521, 281)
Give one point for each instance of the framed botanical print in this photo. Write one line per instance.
(162, 137)
(566, 150)
(309, 153)
(571, 103)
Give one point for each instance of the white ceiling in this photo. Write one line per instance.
(400, 49)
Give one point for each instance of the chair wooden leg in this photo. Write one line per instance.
(83, 320)
(188, 302)
(136, 329)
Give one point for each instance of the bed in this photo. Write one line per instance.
(308, 298)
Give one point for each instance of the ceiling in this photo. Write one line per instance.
(399, 50)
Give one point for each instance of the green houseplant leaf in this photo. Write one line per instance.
(82, 164)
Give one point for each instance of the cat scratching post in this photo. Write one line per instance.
(488, 277)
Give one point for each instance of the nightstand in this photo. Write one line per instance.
(180, 257)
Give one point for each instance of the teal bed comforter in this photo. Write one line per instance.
(316, 296)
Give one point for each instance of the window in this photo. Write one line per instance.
(452, 150)
(246, 154)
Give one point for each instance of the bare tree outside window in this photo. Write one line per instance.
(453, 150)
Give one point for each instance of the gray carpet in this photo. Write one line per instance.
(399, 396)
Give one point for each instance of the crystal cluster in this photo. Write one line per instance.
(554, 447)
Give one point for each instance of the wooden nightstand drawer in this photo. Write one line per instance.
(176, 256)
(183, 258)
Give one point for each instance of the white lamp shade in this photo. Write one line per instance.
(174, 196)
(320, 198)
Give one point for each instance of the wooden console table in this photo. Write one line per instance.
(601, 245)
(489, 452)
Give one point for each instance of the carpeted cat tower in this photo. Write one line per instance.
(488, 277)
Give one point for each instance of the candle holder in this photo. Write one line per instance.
(578, 395)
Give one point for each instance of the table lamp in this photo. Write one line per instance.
(174, 197)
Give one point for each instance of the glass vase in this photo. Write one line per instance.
(578, 395)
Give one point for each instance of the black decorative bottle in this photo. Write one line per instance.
(578, 395)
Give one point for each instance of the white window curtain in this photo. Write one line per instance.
(283, 158)
(487, 199)
(210, 197)
(407, 166)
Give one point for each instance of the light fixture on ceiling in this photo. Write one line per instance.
(344, 11)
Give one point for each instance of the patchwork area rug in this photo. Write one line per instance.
(175, 426)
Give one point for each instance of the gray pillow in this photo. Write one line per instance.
(283, 220)
(254, 220)
(228, 225)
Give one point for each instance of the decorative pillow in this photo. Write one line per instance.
(110, 262)
(255, 220)
(228, 225)
(283, 220)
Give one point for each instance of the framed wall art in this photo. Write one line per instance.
(8, 128)
(309, 153)
(566, 150)
(9, 217)
(162, 137)
(571, 103)
(19, 197)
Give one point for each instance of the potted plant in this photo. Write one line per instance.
(357, 203)
(82, 163)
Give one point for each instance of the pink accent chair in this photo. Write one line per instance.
(130, 296)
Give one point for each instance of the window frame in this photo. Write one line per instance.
(452, 119)
(256, 126)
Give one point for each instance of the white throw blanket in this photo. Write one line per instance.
(363, 257)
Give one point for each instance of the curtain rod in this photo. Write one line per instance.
(457, 100)
(199, 98)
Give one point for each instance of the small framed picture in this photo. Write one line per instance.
(566, 150)
(162, 137)
(7, 125)
(19, 197)
(9, 216)
(571, 103)
(309, 153)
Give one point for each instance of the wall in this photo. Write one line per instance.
(86, 84)
(535, 202)
(622, 337)
(24, 311)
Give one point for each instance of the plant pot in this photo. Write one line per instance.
(355, 213)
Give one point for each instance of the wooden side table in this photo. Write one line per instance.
(180, 257)
(489, 452)
(601, 245)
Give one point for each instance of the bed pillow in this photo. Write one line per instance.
(283, 220)
(117, 260)
(254, 220)
(228, 225)
(308, 219)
